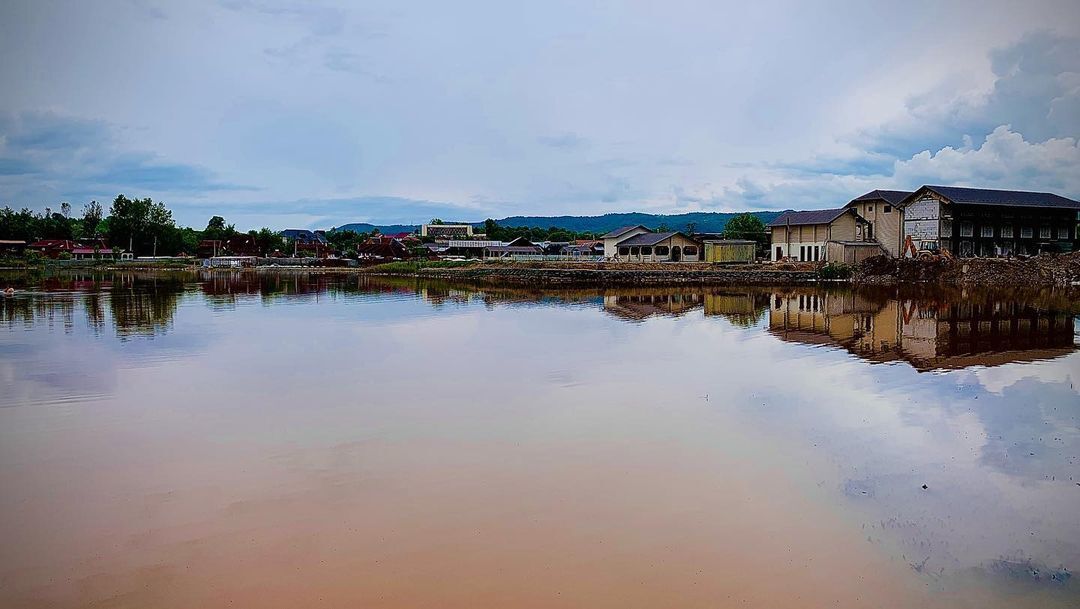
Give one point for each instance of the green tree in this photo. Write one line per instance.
(143, 226)
(91, 219)
(218, 230)
(748, 226)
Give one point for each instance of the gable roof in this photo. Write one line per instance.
(889, 196)
(622, 230)
(650, 238)
(813, 216)
(986, 196)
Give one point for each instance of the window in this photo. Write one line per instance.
(690, 250)
(816, 253)
(986, 231)
(635, 251)
(967, 229)
(661, 250)
(1044, 232)
(1026, 232)
(1006, 231)
(870, 208)
(888, 209)
(624, 251)
(646, 250)
(802, 255)
(779, 252)
(1063, 232)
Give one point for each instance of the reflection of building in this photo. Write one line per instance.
(927, 335)
(644, 304)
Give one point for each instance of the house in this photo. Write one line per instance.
(380, 247)
(881, 209)
(611, 240)
(730, 250)
(242, 245)
(447, 231)
(803, 235)
(83, 252)
(53, 248)
(12, 247)
(981, 222)
(209, 248)
(304, 236)
(466, 248)
(658, 247)
(583, 248)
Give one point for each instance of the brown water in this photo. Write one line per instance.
(336, 441)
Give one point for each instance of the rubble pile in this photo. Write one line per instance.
(1041, 270)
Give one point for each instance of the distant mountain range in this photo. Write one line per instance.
(704, 222)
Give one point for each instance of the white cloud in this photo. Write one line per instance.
(1004, 160)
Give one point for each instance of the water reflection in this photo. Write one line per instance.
(374, 398)
(946, 331)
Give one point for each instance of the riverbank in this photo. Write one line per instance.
(1048, 270)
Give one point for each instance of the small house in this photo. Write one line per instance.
(658, 247)
(611, 240)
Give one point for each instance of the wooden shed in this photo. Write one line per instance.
(729, 250)
(852, 252)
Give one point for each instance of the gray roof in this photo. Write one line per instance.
(814, 216)
(622, 230)
(649, 238)
(985, 196)
(889, 196)
(514, 249)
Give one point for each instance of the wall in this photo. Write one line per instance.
(611, 245)
(886, 224)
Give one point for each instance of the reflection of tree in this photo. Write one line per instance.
(144, 306)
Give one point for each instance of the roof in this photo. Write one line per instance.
(985, 196)
(622, 230)
(650, 238)
(814, 216)
(889, 196)
(514, 249)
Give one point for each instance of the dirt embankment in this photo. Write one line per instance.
(1043, 270)
(614, 275)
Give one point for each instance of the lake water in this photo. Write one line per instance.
(315, 440)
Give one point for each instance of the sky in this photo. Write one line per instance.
(284, 113)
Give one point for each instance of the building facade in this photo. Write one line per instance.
(447, 231)
(882, 211)
(804, 235)
(971, 222)
(659, 247)
(611, 240)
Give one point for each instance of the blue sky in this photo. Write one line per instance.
(285, 113)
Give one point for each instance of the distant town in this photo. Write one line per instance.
(929, 222)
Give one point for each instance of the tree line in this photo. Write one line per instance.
(141, 226)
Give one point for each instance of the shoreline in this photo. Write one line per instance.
(1061, 270)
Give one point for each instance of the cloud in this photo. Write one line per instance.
(47, 157)
(1036, 90)
(1004, 160)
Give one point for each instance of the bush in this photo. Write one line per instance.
(64, 256)
(836, 270)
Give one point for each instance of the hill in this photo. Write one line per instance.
(704, 222)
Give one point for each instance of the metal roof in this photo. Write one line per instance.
(985, 196)
(649, 238)
(622, 230)
(889, 196)
(814, 216)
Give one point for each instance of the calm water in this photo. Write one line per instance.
(317, 440)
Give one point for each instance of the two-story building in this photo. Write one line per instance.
(810, 236)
